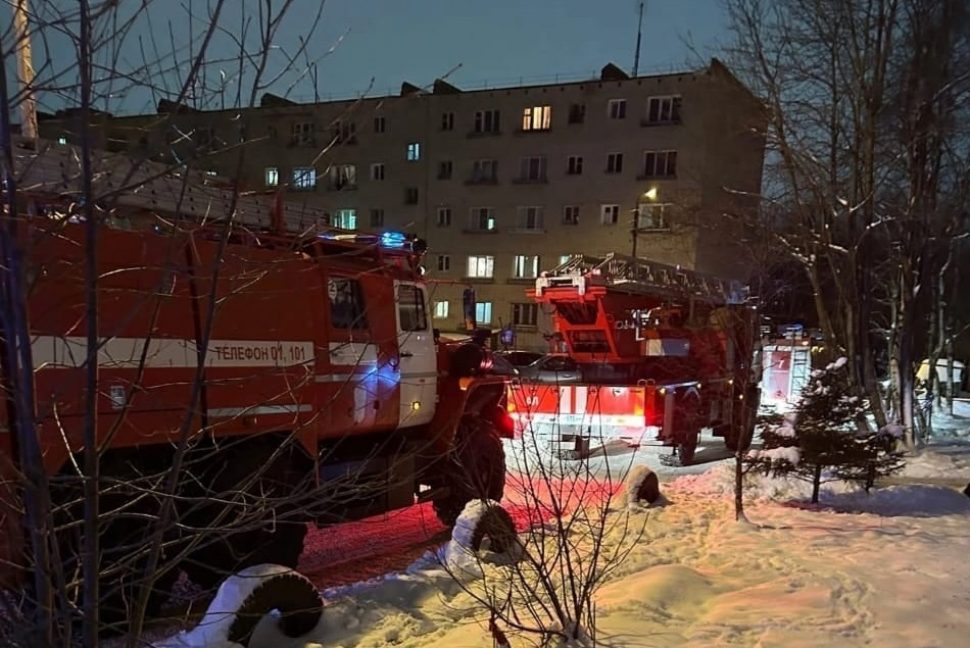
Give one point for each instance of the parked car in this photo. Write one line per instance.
(520, 358)
(502, 366)
(551, 368)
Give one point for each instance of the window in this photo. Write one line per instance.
(410, 195)
(447, 121)
(343, 176)
(537, 118)
(441, 309)
(663, 110)
(414, 152)
(344, 132)
(529, 219)
(444, 217)
(271, 176)
(304, 178)
(525, 314)
(574, 165)
(577, 113)
(482, 219)
(62, 140)
(377, 171)
(525, 267)
(445, 168)
(481, 267)
(377, 218)
(609, 214)
(487, 121)
(302, 134)
(346, 303)
(533, 169)
(563, 258)
(653, 216)
(616, 108)
(380, 124)
(444, 263)
(483, 312)
(614, 163)
(411, 309)
(659, 164)
(346, 219)
(570, 215)
(484, 171)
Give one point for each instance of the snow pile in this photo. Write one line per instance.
(634, 480)
(719, 481)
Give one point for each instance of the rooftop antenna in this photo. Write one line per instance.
(636, 56)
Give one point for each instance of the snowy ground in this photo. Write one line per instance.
(887, 569)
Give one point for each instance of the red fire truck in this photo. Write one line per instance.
(298, 367)
(661, 353)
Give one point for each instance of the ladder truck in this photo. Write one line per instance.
(293, 362)
(662, 351)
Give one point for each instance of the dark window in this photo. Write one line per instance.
(660, 164)
(445, 168)
(614, 163)
(577, 113)
(525, 314)
(377, 218)
(663, 110)
(617, 108)
(379, 124)
(574, 165)
(410, 308)
(447, 121)
(346, 303)
(410, 195)
(487, 121)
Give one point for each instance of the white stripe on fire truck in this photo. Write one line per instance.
(252, 410)
(51, 352)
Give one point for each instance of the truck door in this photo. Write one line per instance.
(418, 363)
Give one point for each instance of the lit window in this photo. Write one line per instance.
(653, 216)
(570, 215)
(482, 219)
(616, 108)
(481, 267)
(614, 163)
(537, 118)
(564, 258)
(529, 219)
(525, 314)
(211, 172)
(62, 140)
(346, 219)
(377, 171)
(525, 267)
(441, 309)
(444, 217)
(609, 214)
(272, 176)
(304, 178)
(663, 110)
(444, 263)
(659, 164)
(483, 312)
(414, 152)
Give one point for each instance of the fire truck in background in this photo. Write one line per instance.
(661, 353)
(300, 366)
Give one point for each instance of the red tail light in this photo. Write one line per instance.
(504, 422)
(653, 407)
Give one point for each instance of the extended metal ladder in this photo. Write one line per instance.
(43, 167)
(639, 276)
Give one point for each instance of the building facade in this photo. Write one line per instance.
(502, 183)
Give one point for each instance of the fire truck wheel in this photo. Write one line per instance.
(291, 594)
(497, 527)
(686, 449)
(280, 542)
(476, 469)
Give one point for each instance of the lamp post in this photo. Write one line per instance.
(648, 196)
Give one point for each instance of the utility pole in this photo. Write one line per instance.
(25, 70)
(636, 55)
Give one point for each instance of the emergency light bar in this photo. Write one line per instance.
(385, 240)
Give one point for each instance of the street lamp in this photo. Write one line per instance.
(648, 196)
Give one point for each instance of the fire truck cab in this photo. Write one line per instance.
(663, 352)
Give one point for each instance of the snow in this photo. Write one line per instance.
(884, 569)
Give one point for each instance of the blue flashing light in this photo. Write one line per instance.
(393, 239)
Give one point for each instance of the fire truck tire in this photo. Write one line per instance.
(476, 470)
(281, 544)
(686, 449)
(291, 594)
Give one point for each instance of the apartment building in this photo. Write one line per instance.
(502, 183)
